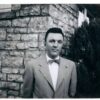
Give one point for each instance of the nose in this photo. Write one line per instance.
(56, 44)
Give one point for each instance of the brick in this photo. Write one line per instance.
(13, 37)
(10, 30)
(3, 85)
(71, 22)
(51, 22)
(65, 18)
(13, 70)
(41, 36)
(60, 18)
(9, 70)
(59, 8)
(15, 7)
(32, 54)
(56, 21)
(20, 30)
(10, 45)
(75, 23)
(65, 28)
(12, 86)
(3, 93)
(6, 23)
(21, 45)
(12, 62)
(44, 9)
(29, 37)
(7, 15)
(41, 46)
(54, 12)
(17, 13)
(41, 41)
(30, 10)
(70, 29)
(2, 34)
(71, 17)
(68, 8)
(27, 45)
(15, 78)
(32, 44)
(2, 44)
(38, 23)
(65, 6)
(16, 53)
(74, 7)
(35, 9)
(2, 76)
(12, 93)
(60, 21)
(3, 54)
(31, 30)
(23, 22)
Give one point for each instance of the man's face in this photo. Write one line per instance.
(54, 43)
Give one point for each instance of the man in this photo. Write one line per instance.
(50, 76)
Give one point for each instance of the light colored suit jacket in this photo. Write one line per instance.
(38, 82)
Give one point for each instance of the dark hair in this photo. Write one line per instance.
(54, 30)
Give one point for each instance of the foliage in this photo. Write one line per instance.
(81, 51)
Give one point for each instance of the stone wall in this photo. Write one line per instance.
(22, 35)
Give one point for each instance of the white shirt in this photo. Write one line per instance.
(53, 68)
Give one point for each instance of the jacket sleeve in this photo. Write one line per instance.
(73, 82)
(28, 80)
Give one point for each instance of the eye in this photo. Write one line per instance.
(52, 41)
(60, 41)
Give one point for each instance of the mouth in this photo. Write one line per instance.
(54, 50)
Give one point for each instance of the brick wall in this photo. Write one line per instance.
(21, 38)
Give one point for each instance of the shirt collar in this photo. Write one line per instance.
(48, 58)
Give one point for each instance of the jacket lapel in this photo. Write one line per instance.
(61, 73)
(44, 69)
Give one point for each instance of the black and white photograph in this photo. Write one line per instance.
(50, 50)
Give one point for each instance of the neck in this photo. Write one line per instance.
(52, 57)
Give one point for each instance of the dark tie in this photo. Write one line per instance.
(54, 60)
